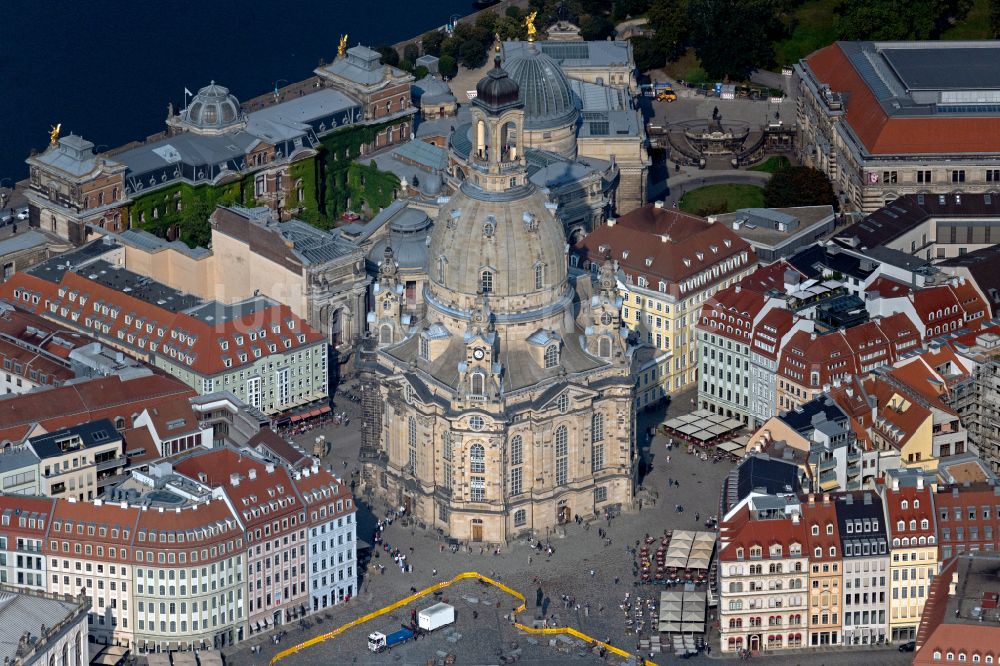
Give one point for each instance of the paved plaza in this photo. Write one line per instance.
(596, 572)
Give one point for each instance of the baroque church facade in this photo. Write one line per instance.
(508, 406)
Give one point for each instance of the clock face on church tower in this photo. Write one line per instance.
(605, 318)
(478, 354)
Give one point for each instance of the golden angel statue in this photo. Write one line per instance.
(54, 134)
(529, 23)
(342, 48)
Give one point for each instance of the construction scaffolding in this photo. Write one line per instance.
(371, 410)
(984, 424)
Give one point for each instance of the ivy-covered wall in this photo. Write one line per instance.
(156, 211)
(345, 184)
(331, 184)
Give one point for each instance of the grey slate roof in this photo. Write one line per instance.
(73, 155)
(432, 90)
(312, 245)
(360, 65)
(576, 54)
(432, 157)
(192, 149)
(93, 433)
(148, 242)
(23, 241)
(16, 458)
(299, 115)
(28, 611)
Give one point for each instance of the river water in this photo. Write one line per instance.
(106, 69)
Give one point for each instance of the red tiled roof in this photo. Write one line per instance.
(201, 349)
(21, 507)
(272, 492)
(277, 445)
(731, 313)
(73, 404)
(769, 331)
(883, 135)
(769, 277)
(822, 516)
(661, 244)
(895, 511)
(764, 533)
(201, 524)
(888, 288)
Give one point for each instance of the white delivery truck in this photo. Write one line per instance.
(435, 617)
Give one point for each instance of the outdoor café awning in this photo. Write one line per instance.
(702, 426)
(157, 659)
(730, 447)
(210, 658)
(185, 659)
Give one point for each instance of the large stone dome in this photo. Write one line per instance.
(213, 110)
(544, 89)
(516, 239)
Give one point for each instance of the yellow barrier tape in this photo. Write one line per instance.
(465, 575)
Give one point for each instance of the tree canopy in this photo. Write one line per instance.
(799, 186)
(734, 37)
(898, 19)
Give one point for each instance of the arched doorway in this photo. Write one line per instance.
(336, 327)
(563, 513)
(477, 529)
(755, 643)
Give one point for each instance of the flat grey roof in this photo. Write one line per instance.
(946, 68)
(214, 312)
(23, 241)
(139, 286)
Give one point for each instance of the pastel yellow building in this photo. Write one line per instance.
(668, 264)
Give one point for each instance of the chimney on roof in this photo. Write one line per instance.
(315, 467)
(98, 502)
(177, 509)
(812, 499)
(826, 498)
(252, 474)
(739, 288)
(868, 498)
(159, 509)
(269, 468)
(795, 518)
(297, 476)
(664, 238)
(234, 479)
(953, 584)
(849, 499)
(812, 336)
(124, 505)
(611, 221)
(850, 392)
(920, 482)
(658, 204)
(895, 483)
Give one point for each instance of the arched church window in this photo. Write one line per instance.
(562, 454)
(597, 427)
(477, 459)
(486, 281)
(604, 347)
(539, 275)
(551, 356)
(478, 383)
(411, 431)
(385, 334)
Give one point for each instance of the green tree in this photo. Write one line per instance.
(411, 52)
(472, 54)
(432, 41)
(995, 18)
(897, 19)
(596, 27)
(648, 54)
(799, 186)
(447, 66)
(194, 227)
(406, 65)
(390, 56)
(669, 18)
(420, 72)
(733, 37)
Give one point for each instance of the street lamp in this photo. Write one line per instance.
(276, 83)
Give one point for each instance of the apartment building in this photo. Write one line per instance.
(865, 549)
(80, 461)
(763, 575)
(24, 522)
(89, 551)
(332, 536)
(18, 471)
(274, 519)
(255, 348)
(819, 516)
(912, 534)
(669, 264)
(190, 581)
(968, 519)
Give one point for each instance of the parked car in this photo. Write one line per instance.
(908, 647)
(22, 213)
(6, 217)
(350, 216)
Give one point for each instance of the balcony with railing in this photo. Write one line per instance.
(111, 463)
